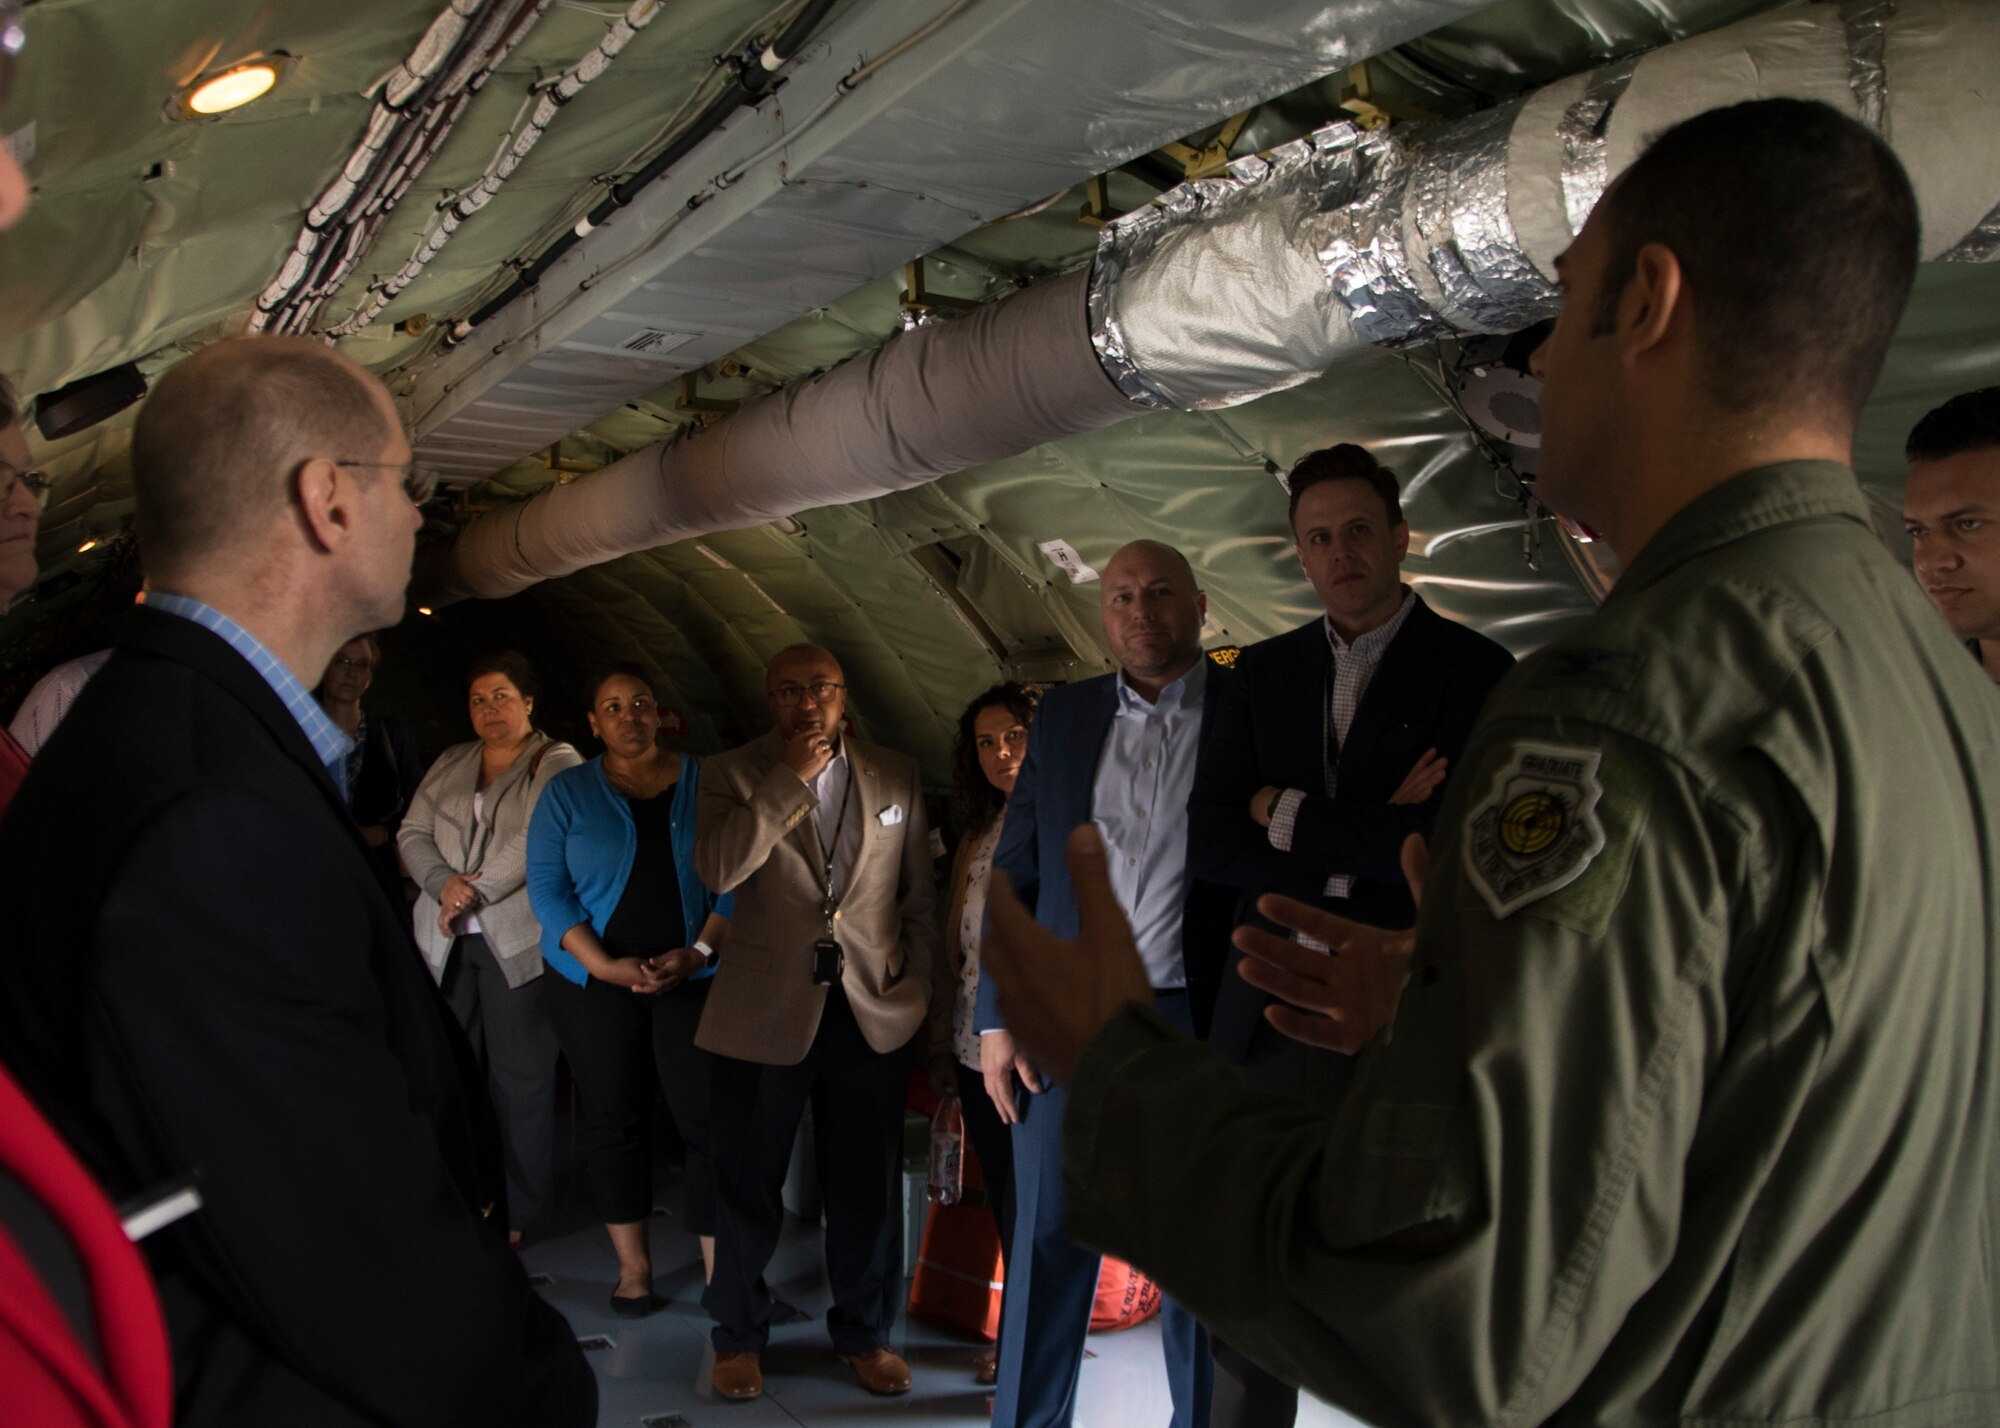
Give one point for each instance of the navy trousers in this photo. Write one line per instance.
(1051, 1283)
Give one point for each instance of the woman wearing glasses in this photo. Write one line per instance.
(382, 771)
(464, 841)
(23, 491)
(631, 934)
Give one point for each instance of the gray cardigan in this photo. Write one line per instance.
(438, 839)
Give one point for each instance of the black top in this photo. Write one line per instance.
(649, 918)
(383, 773)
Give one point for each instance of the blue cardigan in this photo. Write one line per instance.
(580, 849)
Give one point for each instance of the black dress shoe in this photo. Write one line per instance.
(636, 1306)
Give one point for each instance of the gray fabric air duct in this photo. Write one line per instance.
(1233, 288)
(933, 400)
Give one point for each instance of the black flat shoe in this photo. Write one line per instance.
(636, 1306)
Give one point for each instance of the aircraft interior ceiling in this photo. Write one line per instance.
(152, 234)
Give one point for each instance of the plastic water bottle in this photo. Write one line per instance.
(947, 1152)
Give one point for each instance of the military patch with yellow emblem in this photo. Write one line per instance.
(1537, 828)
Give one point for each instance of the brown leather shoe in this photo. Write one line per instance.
(737, 1376)
(881, 1371)
(986, 1369)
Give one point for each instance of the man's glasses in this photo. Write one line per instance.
(419, 483)
(343, 662)
(821, 690)
(35, 480)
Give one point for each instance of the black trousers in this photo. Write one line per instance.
(1246, 1396)
(620, 1045)
(510, 1033)
(993, 1143)
(857, 1096)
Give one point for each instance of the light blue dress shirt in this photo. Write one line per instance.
(1140, 804)
(328, 739)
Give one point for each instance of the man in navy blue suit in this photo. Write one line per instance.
(1328, 747)
(1118, 751)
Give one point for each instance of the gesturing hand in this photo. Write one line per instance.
(1342, 1001)
(1422, 780)
(1058, 994)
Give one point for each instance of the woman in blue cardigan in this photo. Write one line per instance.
(631, 935)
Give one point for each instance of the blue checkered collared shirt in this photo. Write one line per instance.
(328, 740)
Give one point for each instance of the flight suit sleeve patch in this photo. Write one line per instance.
(1536, 829)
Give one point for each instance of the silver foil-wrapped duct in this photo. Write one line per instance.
(1585, 167)
(1483, 280)
(1229, 289)
(1867, 23)
(1361, 249)
(1981, 245)
(1215, 294)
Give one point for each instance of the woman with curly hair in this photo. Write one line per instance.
(986, 760)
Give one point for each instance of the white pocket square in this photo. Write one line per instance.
(890, 816)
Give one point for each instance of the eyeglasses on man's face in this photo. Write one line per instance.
(342, 662)
(37, 481)
(419, 483)
(790, 695)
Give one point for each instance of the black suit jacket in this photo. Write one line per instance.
(202, 974)
(1266, 729)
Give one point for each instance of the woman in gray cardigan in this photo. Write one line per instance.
(464, 841)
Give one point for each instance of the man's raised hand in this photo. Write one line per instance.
(1339, 1002)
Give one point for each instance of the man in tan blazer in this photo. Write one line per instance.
(819, 998)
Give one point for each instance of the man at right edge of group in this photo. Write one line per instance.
(1951, 513)
(1688, 1111)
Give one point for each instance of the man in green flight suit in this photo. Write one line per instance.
(1689, 1111)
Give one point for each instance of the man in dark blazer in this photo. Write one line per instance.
(1328, 748)
(203, 978)
(1117, 751)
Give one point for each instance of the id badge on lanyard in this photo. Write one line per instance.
(828, 960)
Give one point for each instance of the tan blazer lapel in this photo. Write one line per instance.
(867, 793)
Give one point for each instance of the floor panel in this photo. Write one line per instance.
(656, 1370)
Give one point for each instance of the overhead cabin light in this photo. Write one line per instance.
(87, 547)
(232, 88)
(423, 609)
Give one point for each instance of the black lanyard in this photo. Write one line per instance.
(830, 901)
